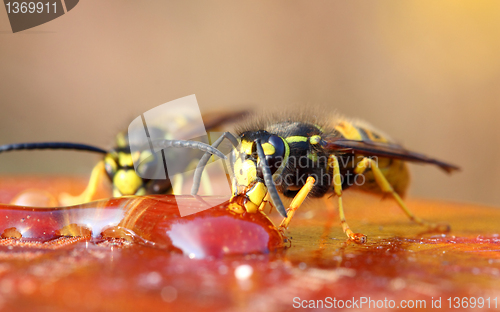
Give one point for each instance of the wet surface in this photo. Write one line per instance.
(153, 221)
(399, 262)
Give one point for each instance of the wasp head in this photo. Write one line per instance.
(248, 184)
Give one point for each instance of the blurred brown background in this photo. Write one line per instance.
(426, 72)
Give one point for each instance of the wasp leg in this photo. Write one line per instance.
(386, 187)
(297, 201)
(267, 200)
(264, 202)
(337, 187)
(95, 177)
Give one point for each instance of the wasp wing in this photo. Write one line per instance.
(216, 119)
(388, 150)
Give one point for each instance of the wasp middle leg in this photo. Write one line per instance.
(337, 187)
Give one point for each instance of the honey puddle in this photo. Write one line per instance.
(152, 220)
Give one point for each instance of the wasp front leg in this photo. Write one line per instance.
(386, 187)
(297, 201)
(337, 187)
(264, 202)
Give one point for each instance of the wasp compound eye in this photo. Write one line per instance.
(275, 160)
(274, 149)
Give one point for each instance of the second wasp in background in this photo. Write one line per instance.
(117, 165)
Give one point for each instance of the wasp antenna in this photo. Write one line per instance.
(449, 168)
(51, 145)
(189, 144)
(204, 160)
(268, 179)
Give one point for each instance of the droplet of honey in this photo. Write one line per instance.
(74, 230)
(11, 233)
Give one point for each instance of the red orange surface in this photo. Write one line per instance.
(399, 262)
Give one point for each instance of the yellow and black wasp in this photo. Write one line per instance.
(117, 164)
(304, 155)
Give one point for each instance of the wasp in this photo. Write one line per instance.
(117, 164)
(303, 155)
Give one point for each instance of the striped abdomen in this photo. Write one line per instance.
(396, 171)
